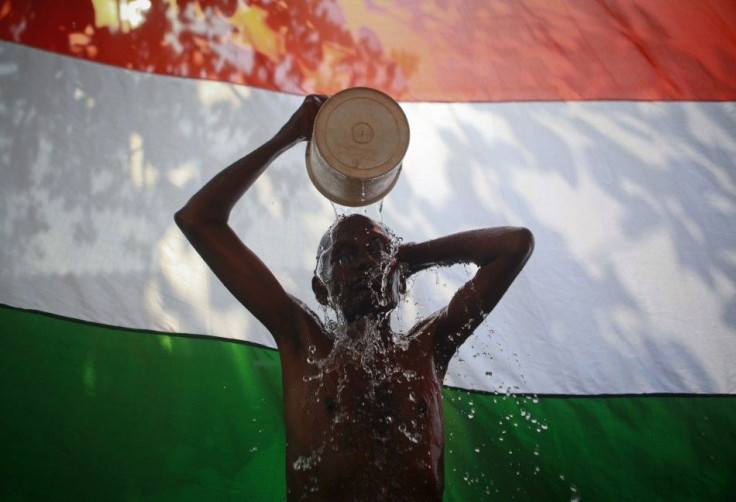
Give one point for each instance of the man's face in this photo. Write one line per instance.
(359, 269)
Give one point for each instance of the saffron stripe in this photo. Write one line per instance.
(467, 50)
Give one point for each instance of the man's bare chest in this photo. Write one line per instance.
(366, 411)
(387, 391)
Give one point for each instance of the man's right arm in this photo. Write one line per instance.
(204, 221)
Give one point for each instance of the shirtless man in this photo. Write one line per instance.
(362, 404)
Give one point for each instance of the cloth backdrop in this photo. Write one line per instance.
(608, 128)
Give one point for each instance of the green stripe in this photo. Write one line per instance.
(96, 413)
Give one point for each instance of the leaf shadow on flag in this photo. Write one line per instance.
(631, 205)
(95, 165)
(303, 47)
(440, 51)
(634, 252)
(95, 162)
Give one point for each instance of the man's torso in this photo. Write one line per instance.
(364, 422)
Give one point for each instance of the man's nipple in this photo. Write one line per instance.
(330, 404)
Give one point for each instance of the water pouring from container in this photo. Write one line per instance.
(360, 139)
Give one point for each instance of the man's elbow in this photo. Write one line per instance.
(189, 220)
(523, 243)
(184, 219)
(193, 221)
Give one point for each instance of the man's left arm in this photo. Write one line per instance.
(500, 253)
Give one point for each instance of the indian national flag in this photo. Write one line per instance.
(608, 372)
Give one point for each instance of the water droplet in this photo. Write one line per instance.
(414, 437)
(574, 495)
(303, 463)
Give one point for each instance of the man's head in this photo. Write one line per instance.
(357, 271)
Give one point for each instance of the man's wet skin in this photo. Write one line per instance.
(370, 403)
(372, 424)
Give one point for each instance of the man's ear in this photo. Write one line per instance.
(320, 290)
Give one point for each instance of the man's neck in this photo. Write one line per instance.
(370, 327)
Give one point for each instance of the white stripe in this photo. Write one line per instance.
(631, 288)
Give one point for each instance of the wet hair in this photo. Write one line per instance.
(326, 241)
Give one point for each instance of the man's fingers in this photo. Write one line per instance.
(317, 99)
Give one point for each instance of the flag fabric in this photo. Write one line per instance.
(608, 129)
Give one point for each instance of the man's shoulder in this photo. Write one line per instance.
(433, 334)
(427, 326)
(308, 329)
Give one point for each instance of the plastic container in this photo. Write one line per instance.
(359, 141)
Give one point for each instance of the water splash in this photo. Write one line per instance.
(368, 349)
(414, 437)
(373, 211)
(574, 494)
(305, 463)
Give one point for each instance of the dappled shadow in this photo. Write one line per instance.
(631, 206)
(630, 203)
(432, 50)
(298, 47)
(94, 169)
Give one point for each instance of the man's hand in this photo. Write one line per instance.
(301, 124)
